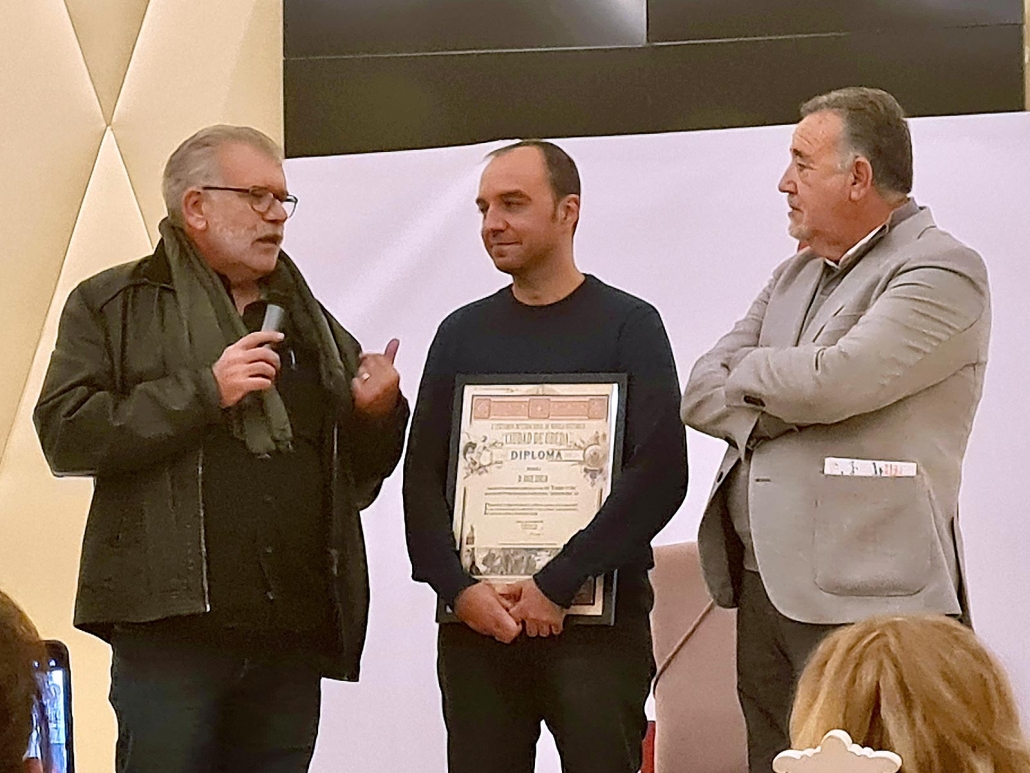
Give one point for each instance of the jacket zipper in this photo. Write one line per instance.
(334, 553)
(203, 530)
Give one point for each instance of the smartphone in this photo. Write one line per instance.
(55, 685)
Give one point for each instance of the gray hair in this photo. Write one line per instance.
(195, 161)
(874, 127)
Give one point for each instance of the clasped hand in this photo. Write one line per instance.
(505, 612)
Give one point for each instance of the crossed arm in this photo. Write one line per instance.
(704, 406)
(920, 330)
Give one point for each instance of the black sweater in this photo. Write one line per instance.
(595, 329)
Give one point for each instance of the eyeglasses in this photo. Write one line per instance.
(259, 197)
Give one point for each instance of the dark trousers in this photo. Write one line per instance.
(186, 707)
(771, 654)
(588, 686)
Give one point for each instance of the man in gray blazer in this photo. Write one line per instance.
(846, 394)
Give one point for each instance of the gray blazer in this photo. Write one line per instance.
(890, 368)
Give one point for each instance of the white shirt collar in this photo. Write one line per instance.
(858, 249)
(899, 214)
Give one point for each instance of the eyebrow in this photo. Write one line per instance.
(515, 193)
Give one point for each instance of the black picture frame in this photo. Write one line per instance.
(444, 614)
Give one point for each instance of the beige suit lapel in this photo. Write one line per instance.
(867, 270)
(857, 280)
(826, 313)
(850, 285)
(789, 304)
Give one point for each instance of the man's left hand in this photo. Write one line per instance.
(539, 615)
(377, 386)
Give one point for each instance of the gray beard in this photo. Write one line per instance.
(796, 232)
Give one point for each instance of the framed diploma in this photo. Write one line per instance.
(533, 458)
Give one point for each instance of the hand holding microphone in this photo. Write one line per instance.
(250, 364)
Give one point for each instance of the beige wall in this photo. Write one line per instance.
(95, 94)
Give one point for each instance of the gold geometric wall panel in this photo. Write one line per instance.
(52, 126)
(107, 32)
(95, 94)
(170, 92)
(42, 518)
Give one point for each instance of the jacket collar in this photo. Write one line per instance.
(155, 268)
(898, 216)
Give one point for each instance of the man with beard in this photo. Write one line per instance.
(223, 557)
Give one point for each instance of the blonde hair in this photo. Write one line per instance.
(195, 161)
(921, 686)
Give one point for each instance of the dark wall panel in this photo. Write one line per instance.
(350, 27)
(749, 83)
(416, 101)
(680, 20)
(355, 104)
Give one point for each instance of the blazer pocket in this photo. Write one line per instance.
(873, 536)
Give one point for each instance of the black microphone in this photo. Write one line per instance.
(275, 317)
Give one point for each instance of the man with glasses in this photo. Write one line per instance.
(223, 557)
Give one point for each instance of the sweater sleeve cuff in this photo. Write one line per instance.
(449, 588)
(559, 582)
(394, 421)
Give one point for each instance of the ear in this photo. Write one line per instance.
(193, 213)
(861, 178)
(568, 210)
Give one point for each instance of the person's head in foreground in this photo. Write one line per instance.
(20, 700)
(921, 686)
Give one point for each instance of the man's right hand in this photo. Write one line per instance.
(485, 611)
(249, 365)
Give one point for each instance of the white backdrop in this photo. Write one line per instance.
(693, 223)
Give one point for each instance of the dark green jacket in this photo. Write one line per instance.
(123, 404)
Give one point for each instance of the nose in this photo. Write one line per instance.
(787, 183)
(493, 221)
(276, 213)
